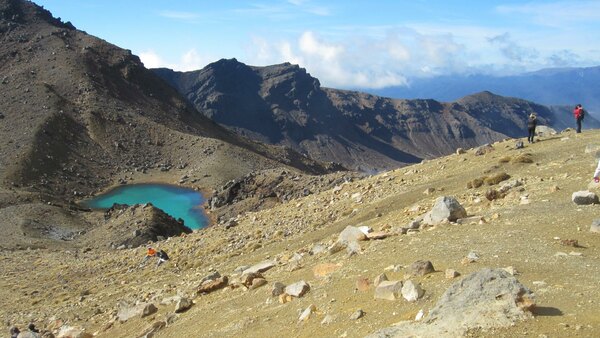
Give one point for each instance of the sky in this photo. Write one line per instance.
(349, 43)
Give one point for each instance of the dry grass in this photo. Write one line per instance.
(523, 158)
(495, 179)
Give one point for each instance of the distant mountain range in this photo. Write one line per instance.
(284, 105)
(554, 86)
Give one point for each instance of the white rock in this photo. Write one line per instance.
(411, 291)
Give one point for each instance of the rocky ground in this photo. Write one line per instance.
(531, 228)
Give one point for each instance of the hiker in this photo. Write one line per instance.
(14, 332)
(149, 254)
(162, 257)
(531, 123)
(579, 115)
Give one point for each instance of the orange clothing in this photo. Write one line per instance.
(151, 252)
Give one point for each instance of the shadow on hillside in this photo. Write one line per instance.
(547, 311)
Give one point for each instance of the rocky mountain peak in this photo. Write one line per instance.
(21, 12)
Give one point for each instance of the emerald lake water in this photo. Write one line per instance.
(176, 201)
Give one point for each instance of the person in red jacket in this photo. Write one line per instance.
(579, 114)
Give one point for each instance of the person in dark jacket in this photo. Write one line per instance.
(579, 114)
(531, 124)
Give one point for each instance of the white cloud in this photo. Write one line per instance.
(190, 60)
(151, 59)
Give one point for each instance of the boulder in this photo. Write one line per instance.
(420, 268)
(297, 289)
(389, 290)
(584, 198)
(445, 208)
(351, 234)
(411, 291)
(126, 311)
(486, 299)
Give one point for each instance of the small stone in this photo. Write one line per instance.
(297, 289)
(149, 309)
(258, 282)
(307, 312)
(377, 235)
(285, 298)
(328, 320)
(595, 227)
(183, 304)
(388, 290)
(451, 273)
(381, 278)
(213, 285)
(411, 291)
(419, 315)
(357, 314)
(429, 191)
(420, 268)
(278, 289)
(511, 270)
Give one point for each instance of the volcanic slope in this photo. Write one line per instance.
(283, 104)
(532, 227)
(78, 115)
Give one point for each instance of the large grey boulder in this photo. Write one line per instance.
(584, 198)
(445, 208)
(486, 299)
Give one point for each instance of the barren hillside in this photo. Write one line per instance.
(532, 228)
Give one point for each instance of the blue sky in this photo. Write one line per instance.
(350, 43)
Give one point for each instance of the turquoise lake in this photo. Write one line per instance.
(176, 201)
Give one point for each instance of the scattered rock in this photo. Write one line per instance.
(570, 242)
(307, 312)
(519, 145)
(213, 285)
(260, 267)
(451, 273)
(277, 289)
(154, 328)
(388, 290)
(182, 305)
(511, 270)
(411, 291)
(329, 319)
(445, 208)
(460, 151)
(584, 198)
(351, 234)
(377, 235)
(64, 332)
(595, 227)
(257, 282)
(420, 268)
(297, 289)
(357, 314)
(484, 149)
(149, 309)
(429, 191)
(381, 278)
